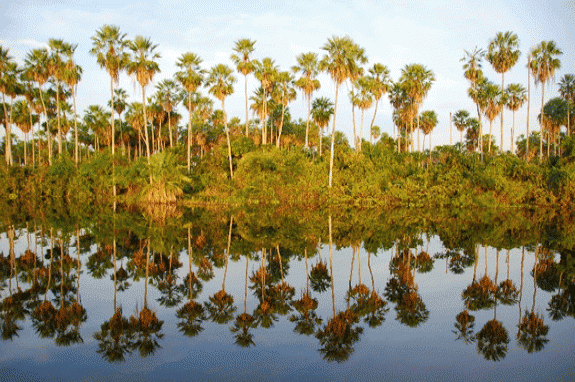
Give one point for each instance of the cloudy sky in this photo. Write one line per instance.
(434, 33)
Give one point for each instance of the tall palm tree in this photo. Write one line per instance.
(8, 81)
(244, 65)
(108, 47)
(428, 123)
(321, 111)
(503, 54)
(417, 80)
(221, 84)
(24, 119)
(380, 85)
(516, 96)
(567, 91)
(72, 73)
(544, 62)
(283, 94)
(167, 91)
(143, 66)
(363, 99)
(191, 77)
(461, 122)
(493, 96)
(472, 72)
(339, 62)
(59, 50)
(36, 68)
(266, 72)
(478, 93)
(308, 65)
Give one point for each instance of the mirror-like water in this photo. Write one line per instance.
(220, 299)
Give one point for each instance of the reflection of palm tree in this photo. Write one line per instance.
(464, 325)
(115, 338)
(221, 305)
(338, 335)
(493, 338)
(532, 330)
(507, 291)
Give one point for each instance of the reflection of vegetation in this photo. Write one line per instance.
(147, 331)
(492, 340)
(220, 307)
(464, 325)
(241, 329)
(307, 321)
(532, 332)
(338, 336)
(115, 338)
(191, 316)
(319, 277)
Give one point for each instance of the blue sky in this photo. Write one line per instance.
(432, 33)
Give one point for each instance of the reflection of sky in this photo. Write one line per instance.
(433, 33)
(389, 351)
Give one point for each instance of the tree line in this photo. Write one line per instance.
(41, 89)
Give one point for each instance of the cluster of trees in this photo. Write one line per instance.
(491, 99)
(41, 88)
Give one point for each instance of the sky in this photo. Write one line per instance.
(434, 33)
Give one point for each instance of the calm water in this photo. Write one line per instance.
(408, 310)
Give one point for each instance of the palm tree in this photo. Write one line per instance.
(283, 94)
(108, 47)
(8, 82)
(516, 96)
(428, 123)
(417, 80)
(567, 91)
(339, 63)
(191, 77)
(24, 119)
(57, 49)
(473, 73)
(266, 72)
(244, 65)
(555, 115)
(308, 65)
(478, 93)
(36, 68)
(143, 66)
(460, 120)
(503, 54)
(380, 85)
(167, 92)
(362, 99)
(321, 111)
(543, 64)
(72, 73)
(493, 97)
(221, 82)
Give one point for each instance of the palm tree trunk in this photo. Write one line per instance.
(512, 147)
(528, 104)
(502, 108)
(229, 143)
(282, 125)
(8, 136)
(58, 118)
(372, 122)
(190, 136)
(541, 124)
(308, 96)
(147, 142)
(113, 130)
(76, 126)
(490, 134)
(360, 139)
(246, 93)
(170, 128)
(332, 140)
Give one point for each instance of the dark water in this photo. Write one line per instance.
(410, 309)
